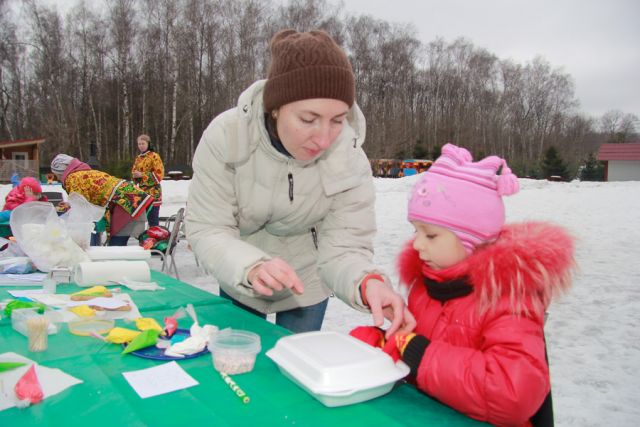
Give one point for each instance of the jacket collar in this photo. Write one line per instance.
(532, 260)
(336, 164)
(75, 166)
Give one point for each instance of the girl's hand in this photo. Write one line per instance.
(136, 174)
(274, 275)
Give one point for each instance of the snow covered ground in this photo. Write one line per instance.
(593, 333)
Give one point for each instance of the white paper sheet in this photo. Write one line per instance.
(108, 303)
(61, 301)
(52, 381)
(24, 292)
(159, 380)
(31, 279)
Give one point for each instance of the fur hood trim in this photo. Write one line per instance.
(532, 261)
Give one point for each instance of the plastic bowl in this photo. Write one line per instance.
(86, 327)
(234, 351)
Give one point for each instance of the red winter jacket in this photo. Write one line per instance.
(485, 354)
(16, 196)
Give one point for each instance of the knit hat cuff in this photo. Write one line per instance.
(317, 81)
(469, 238)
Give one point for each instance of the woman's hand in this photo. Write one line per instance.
(274, 275)
(63, 207)
(136, 174)
(384, 302)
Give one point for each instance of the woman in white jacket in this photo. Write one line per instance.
(281, 204)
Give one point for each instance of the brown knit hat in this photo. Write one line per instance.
(307, 65)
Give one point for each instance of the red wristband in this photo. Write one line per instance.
(363, 286)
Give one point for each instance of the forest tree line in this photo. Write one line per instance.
(92, 80)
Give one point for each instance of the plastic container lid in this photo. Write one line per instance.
(20, 316)
(336, 366)
(86, 327)
(234, 351)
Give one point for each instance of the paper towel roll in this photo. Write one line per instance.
(108, 272)
(130, 253)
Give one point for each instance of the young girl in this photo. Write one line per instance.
(478, 291)
(29, 190)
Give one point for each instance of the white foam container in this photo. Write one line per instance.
(337, 369)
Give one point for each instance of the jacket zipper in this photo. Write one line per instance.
(314, 234)
(290, 176)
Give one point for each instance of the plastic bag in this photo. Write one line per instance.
(80, 218)
(82, 210)
(142, 340)
(28, 389)
(16, 265)
(44, 237)
(10, 249)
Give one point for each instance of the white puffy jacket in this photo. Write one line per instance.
(239, 211)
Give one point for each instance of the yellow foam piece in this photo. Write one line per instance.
(94, 290)
(83, 311)
(144, 323)
(120, 335)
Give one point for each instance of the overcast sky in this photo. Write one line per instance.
(597, 42)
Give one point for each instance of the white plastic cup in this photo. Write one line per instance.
(234, 351)
(49, 286)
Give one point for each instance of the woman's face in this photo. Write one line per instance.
(309, 127)
(142, 145)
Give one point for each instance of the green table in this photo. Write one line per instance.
(5, 229)
(106, 399)
(175, 294)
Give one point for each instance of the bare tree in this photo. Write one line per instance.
(102, 75)
(121, 16)
(618, 127)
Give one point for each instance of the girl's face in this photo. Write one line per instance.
(142, 145)
(309, 127)
(438, 247)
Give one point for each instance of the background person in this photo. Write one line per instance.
(28, 190)
(147, 173)
(281, 204)
(125, 204)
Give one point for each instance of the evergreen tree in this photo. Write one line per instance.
(593, 169)
(419, 151)
(436, 152)
(553, 165)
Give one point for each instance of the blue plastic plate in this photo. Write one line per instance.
(155, 353)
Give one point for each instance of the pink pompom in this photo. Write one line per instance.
(508, 183)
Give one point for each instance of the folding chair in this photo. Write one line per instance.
(168, 257)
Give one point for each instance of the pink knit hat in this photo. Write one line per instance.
(32, 183)
(463, 196)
